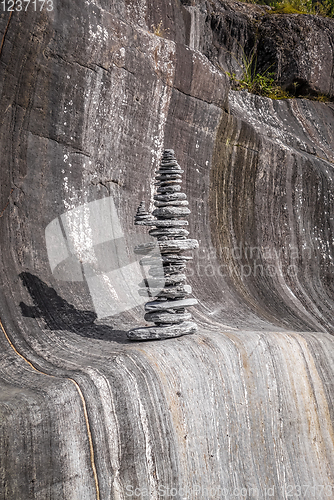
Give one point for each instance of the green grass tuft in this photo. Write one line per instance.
(264, 84)
(260, 84)
(285, 9)
(254, 82)
(324, 8)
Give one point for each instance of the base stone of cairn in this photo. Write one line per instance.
(168, 282)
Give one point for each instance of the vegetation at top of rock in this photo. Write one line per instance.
(260, 84)
(285, 9)
(323, 8)
(264, 83)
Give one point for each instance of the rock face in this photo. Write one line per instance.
(297, 48)
(300, 50)
(89, 95)
(169, 313)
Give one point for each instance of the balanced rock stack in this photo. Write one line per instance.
(167, 282)
(142, 216)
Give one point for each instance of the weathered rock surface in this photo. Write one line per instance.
(156, 305)
(169, 232)
(168, 280)
(170, 197)
(165, 317)
(297, 48)
(170, 292)
(89, 96)
(300, 50)
(167, 223)
(176, 203)
(175, 245)
(160, 332)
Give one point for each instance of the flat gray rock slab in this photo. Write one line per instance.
(177, 245)
(175, 203)
(170, 196)
(170, 258)
(171, 211)
(166, 223)
(162, 332)
(166, 317)
(169, 232)
(157, 305)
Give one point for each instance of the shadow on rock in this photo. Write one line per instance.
(58, 314)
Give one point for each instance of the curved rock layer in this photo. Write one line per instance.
(242, 408)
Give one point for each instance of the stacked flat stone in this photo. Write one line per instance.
(142, 216)
(168, 280)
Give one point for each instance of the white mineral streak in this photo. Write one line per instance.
(163, 58)
(115, 291)
(94, 87)
(55, 244)
(77, 225)
(319, 418)
(137, 11)
(103, 291)
(71, 444)
(196, 26)
(205, 64)
(163, 94)
(243, 103)
(113, 429)
(97, 34)
(143, 418)
(73, 196)
(261, 113)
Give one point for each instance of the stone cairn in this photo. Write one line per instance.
(167, 282)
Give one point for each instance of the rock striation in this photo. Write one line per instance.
(168, 282)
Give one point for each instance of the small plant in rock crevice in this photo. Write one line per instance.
(159, 30)
(262, 84)
(324, 8)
